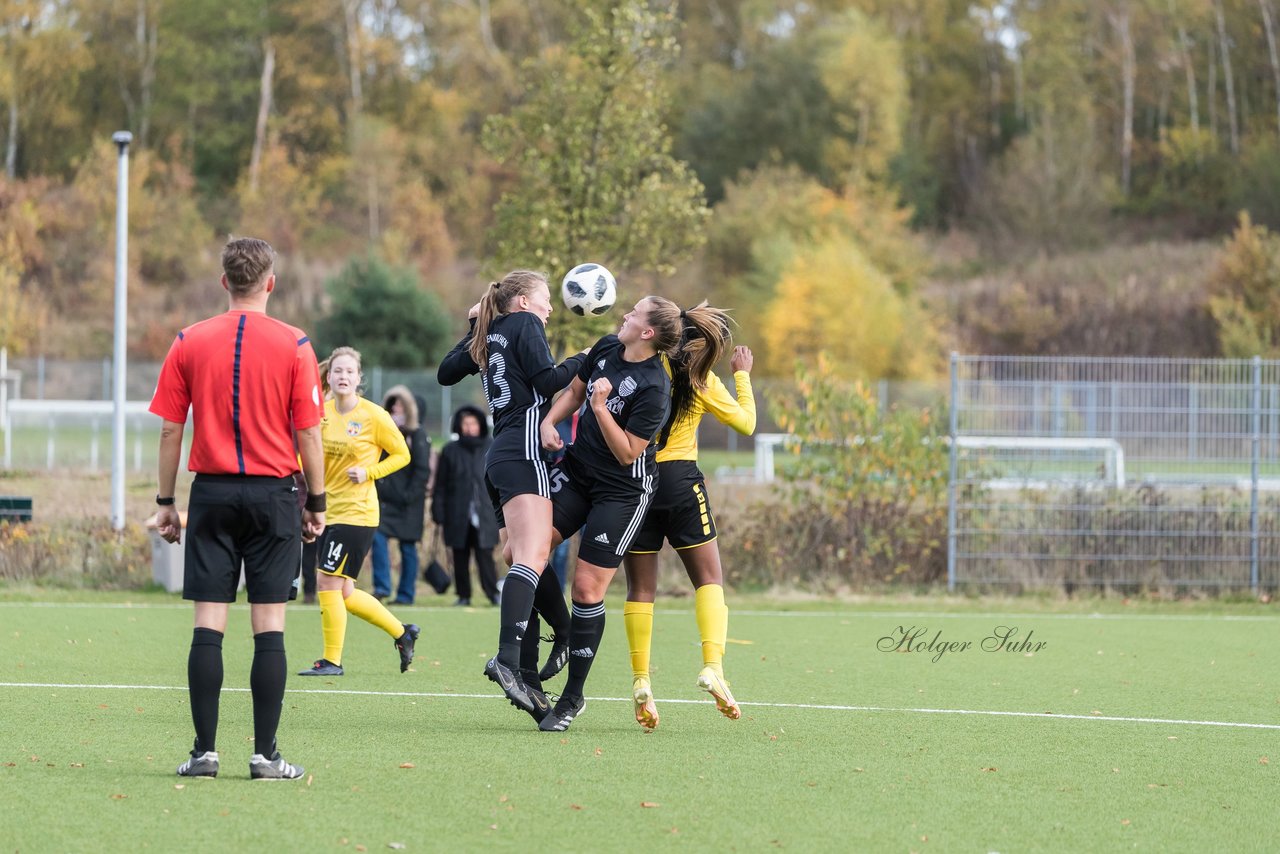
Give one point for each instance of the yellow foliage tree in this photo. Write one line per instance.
(834, 300)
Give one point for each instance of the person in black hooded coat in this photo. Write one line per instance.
(402, 499)
(460, 504)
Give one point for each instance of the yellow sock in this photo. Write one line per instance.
(638, 617)
(713, 624)
(371, 610)
(333, 623)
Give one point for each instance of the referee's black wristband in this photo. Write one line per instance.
(165, 502)
(315, 503)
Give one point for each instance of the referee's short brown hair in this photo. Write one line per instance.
(246, 261)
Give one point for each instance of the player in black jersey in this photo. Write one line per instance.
(608, 475)
(508, 338)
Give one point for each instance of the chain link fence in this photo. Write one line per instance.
(1144, 473)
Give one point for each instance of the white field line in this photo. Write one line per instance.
(736, 612)
(812, 706)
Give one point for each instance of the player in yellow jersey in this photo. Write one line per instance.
(681, 511)
(355, 433)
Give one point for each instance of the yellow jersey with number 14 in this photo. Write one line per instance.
(358, 438)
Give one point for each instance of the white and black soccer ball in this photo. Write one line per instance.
(589, 289)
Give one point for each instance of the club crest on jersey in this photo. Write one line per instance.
(353, 428)
(628, 385)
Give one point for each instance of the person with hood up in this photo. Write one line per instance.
(402, 496)
(460, 504)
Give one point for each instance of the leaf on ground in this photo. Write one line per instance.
(310, 777)
(118, 797)
(179, 785)
(599, 751)
(406, 765)
(1173, 738)
(1124, 821)
(575, 807)
(649, 804)
(992, 768)
(361, 848)
(398, 846)
(1264, 761)
(77, 764)
(502, 799)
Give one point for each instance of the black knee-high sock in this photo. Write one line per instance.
(584, 643)
(517, 603)
(204, 683)
(529, 652)
(266, 683)
(549, 602)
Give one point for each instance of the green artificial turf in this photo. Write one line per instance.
(841, 746)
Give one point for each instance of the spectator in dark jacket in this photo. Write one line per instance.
(402, 499)
(460, 503)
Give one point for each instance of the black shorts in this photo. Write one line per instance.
(609, 512)
(506, 480)
(343, 549)
(235, 520)
(680, 512)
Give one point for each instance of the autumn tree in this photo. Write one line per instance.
(593, 175)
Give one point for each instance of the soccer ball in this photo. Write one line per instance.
(589, 289)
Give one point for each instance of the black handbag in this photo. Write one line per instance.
(435, 574)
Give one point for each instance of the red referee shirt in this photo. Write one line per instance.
(250, 381)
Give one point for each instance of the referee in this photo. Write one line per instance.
(253, 388)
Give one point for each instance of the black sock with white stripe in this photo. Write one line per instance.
(517, 603)
(529, 652)
(549, 602)
(584, 641)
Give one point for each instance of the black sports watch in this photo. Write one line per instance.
(165, 502)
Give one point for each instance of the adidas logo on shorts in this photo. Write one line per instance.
(603, 538)
(585, 652)
(522, 625)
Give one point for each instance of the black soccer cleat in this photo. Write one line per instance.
(404, 645)
(558, 658)
(563, 714)
(323, 667)
(511, 684)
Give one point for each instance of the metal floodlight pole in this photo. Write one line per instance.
(121, 139)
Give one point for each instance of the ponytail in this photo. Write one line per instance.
(705, 337)
(479, 348)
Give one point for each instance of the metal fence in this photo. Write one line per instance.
(1154, 473)
(55, 414)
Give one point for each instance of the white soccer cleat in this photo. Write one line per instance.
(715, 685)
